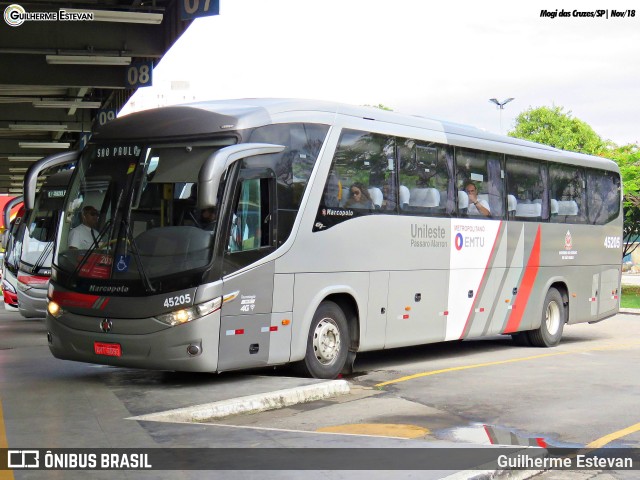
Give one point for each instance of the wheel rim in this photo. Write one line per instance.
(326, 341)
(552, 318)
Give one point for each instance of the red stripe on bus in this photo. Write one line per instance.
(72, 299)
(487, 430)
(524, 292)
(33, 279)
(484, 274)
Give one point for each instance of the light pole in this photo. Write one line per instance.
(501, 106)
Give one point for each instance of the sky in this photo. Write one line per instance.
(443, 59)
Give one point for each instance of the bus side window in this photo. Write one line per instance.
(251, 218)
(481, 174)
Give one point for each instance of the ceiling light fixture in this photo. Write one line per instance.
(87, 60)
(23, 158)
(65, 104)
(44, 144)
(39, 127)
(120, 16)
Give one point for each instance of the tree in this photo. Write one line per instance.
(552, 126)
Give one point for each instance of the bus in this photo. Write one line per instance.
(294, 270)
(11, 253)
(37, 234)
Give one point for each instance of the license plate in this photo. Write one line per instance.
(108, 349)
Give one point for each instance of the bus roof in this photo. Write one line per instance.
(205, 118)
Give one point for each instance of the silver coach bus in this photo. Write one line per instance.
(37, 235)
(247, 233)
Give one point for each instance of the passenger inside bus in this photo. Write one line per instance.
(389, 201)
(359, 197)
(476, 206)
(208, 218)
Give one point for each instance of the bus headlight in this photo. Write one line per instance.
(184, 315)
(54, 309)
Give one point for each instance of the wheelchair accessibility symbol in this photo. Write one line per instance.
(122, 263)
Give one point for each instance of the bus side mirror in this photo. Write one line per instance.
(31, 177)
(7, 216)
(214, 167)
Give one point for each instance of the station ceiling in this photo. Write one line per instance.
(57, 78)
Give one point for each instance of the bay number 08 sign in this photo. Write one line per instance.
(140, 74)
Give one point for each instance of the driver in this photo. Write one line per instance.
(85, 234)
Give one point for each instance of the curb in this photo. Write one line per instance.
(494, 475)
(250, 404)
(630, 311)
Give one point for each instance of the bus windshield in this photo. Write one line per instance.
(40, 228)
(131, 219)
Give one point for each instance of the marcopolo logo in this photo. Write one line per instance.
(15, 15)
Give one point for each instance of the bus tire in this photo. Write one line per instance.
(553, 320)
(328, 342)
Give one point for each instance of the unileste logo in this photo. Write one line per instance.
(423, 235)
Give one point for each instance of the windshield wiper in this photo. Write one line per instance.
(139, 265)
(47, 249)
(96, 241)
(41, 259)
(92, 248)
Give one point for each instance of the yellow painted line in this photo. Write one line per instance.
(4, 474)
(467, 367)
(379, 430)
(601, 442)
(500, 362)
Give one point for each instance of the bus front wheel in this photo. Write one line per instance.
(328, 342)
(553, 320)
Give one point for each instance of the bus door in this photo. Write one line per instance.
(248, 330)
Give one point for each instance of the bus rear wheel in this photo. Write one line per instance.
(328, 342)
(553, 320)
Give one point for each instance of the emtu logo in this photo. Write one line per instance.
(475, 241)
(459, 241)
(14, 15)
